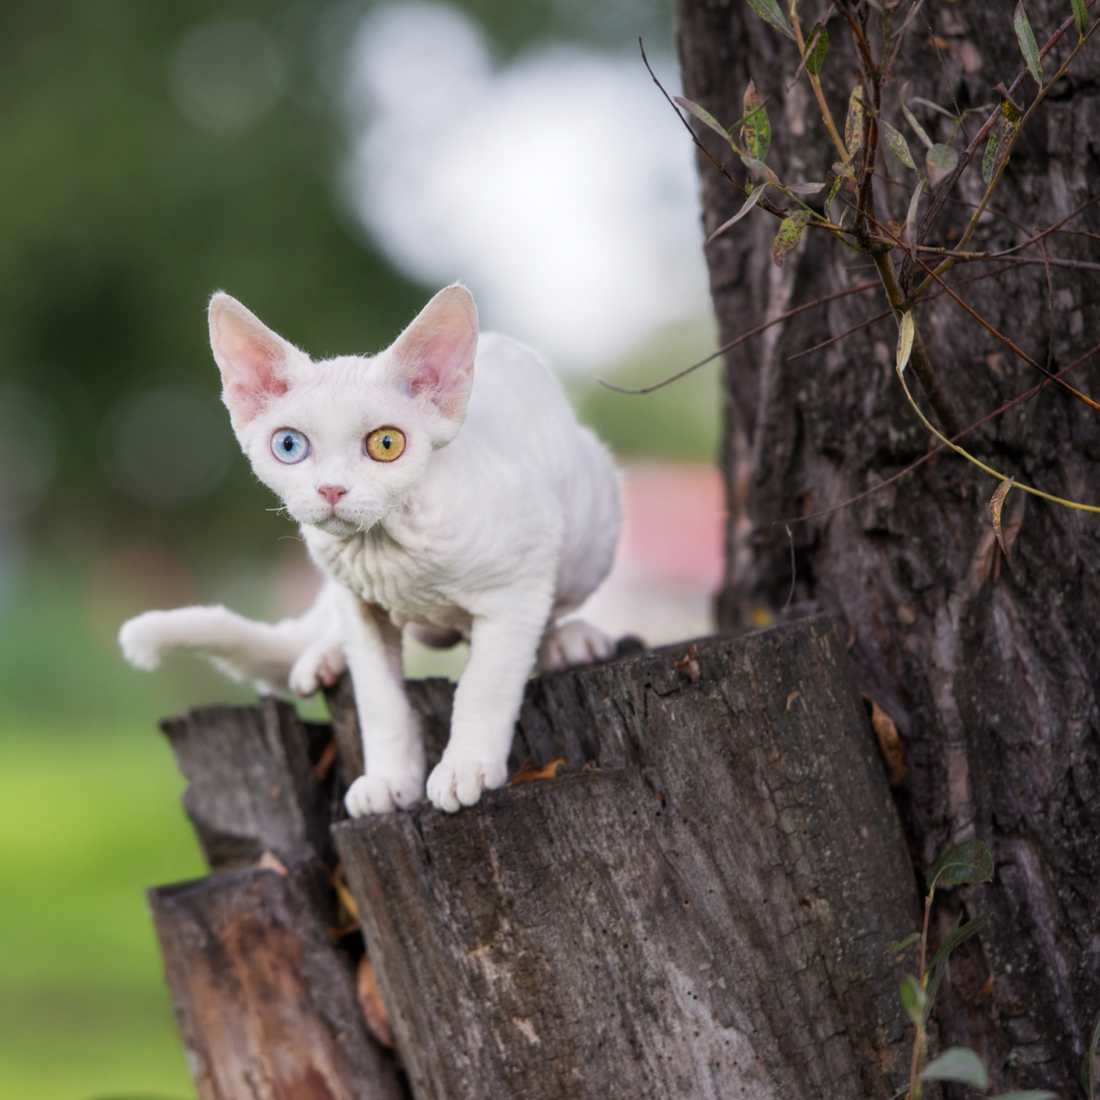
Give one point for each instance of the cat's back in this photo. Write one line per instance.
(515, 390)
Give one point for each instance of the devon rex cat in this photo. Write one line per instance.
(442, 483)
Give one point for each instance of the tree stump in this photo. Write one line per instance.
(697, 906)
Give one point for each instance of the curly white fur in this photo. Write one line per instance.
(499, 517)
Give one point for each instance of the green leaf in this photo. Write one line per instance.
(926, 141)
(912, 999)
(853, 124)
(703, 115)
(1028, 46)
(1081, 18)
(911, 222)
(790, 233)
(906, 332)
(936, 107)
(770, 12)
(898, 145)
(969, 861)
(803, 188)
(940, 161)
(1027, 1094)
(763, 169)
(901, 945)
(957, 1064)
(997, 146)
(756, 131)
(817, 46)
(954, 938)
(750, 202)
(917, 128)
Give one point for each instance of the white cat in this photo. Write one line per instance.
(443, 483)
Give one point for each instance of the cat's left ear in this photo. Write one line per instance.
(433, 359)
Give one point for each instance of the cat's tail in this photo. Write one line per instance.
(294, 655)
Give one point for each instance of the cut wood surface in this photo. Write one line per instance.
(700, 913)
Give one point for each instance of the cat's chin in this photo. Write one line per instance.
(337, 527)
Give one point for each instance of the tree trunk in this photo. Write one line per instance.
(990, 665)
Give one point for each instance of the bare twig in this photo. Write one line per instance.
(939, 447)
(964, 158)
(738, 340)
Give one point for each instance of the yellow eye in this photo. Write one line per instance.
(385, 444)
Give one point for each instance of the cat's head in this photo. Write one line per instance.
(343, 441)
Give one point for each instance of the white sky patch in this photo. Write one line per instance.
(560, 187)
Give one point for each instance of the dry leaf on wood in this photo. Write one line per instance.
(529, 773)
(688, 665)
(269, 861)
(889, 742)
(346, 909)
(324, 764)
(370, 1001)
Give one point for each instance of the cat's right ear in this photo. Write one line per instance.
(254, 361)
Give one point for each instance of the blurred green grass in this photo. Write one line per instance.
(89, 817)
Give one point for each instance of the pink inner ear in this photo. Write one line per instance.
(252, 362)
(426, 377)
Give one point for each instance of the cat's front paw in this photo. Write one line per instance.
(382, 794)
(319, 666)
(455, 782)
(145, 639)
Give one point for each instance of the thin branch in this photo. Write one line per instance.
(815, 83)
(946, 79)
(1011, 266)
(933, 451)
(1050, 303)
(1008, 343)
(738, 340)
(842, 335)
(765, 202)
(913, 9)
(964, 158)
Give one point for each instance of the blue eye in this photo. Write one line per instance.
(289, 446)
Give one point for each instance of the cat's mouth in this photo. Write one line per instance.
(339, 522)
(335, 524)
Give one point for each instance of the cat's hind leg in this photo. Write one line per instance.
(571, 643)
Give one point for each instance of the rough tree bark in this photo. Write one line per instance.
(990, 666)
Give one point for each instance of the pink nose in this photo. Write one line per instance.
(331, 493)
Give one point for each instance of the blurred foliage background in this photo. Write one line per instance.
(151, 153)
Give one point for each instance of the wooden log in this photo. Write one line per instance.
(703, 916)
(252, 782)
(265, 1003)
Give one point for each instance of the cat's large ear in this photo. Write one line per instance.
(433, 359)
(254, 361)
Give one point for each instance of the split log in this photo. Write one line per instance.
(265, 999)
(252, 786)
(701, 913)
(266, 1006)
